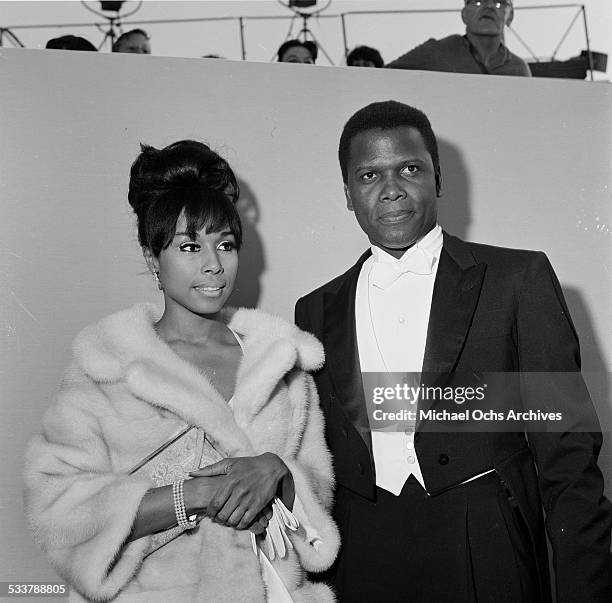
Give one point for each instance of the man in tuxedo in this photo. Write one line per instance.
(457, 514)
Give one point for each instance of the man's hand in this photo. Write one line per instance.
(249, 485)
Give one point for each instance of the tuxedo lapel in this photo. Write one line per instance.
(456, 292)
(342, 358)
(455, 295)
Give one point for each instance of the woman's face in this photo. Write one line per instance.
(198, 274)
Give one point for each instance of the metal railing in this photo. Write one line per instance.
(8, 32)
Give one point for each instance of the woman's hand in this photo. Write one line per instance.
(156, 510)
(261, 522)
(249, 485)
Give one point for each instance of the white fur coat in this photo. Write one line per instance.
(125, 393)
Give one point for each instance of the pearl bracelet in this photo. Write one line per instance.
(180, 511)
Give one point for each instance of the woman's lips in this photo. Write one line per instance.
(210, 290)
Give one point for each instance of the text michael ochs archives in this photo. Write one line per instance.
(467, 402)
(466, 415)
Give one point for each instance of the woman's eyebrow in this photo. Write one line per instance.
(225, 233)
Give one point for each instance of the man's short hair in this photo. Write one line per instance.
(387, 115)
(508, 1)
(365, 53)
(309, 45)
(69, 42)
(124, 36)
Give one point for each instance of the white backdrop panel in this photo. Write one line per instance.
(526, 163)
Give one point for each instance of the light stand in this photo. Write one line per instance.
(305, 34)
(114, 22)
(5, 32)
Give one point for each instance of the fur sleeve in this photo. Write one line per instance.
(318, 542)
(78, 509)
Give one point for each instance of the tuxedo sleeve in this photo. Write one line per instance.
(301, 315)
(578, 516)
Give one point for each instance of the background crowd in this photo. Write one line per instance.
(481, 48)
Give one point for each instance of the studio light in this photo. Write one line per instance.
(305, 10)
(114, 21)
(305, 7)
(112, 6)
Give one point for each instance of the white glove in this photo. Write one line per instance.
(277, 542)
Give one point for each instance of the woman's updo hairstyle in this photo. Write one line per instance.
(184, 176)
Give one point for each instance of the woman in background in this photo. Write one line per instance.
(180, 439)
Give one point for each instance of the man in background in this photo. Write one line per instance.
(297, 51)
(364, 56)
(70, 42)
(135, 41)
(480, 50)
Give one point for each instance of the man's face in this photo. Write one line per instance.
(297, 54)
(359, 62)
(135, 44)
(391, 187)
(486, 17)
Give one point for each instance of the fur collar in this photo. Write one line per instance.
(125, 347)
(106, 347)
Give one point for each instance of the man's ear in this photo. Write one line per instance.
(510, 16)
(151, 260)
(438, 182)
(347, 194)
(463, 15)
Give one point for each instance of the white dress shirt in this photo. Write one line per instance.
(391, 325)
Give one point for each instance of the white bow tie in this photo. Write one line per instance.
(421, 261)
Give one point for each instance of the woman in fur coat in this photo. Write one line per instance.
(180, 440)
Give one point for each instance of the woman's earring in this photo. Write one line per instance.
(156, 277)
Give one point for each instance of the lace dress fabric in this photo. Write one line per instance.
(188, 453)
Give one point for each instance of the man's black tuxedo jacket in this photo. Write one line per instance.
(493, 309)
